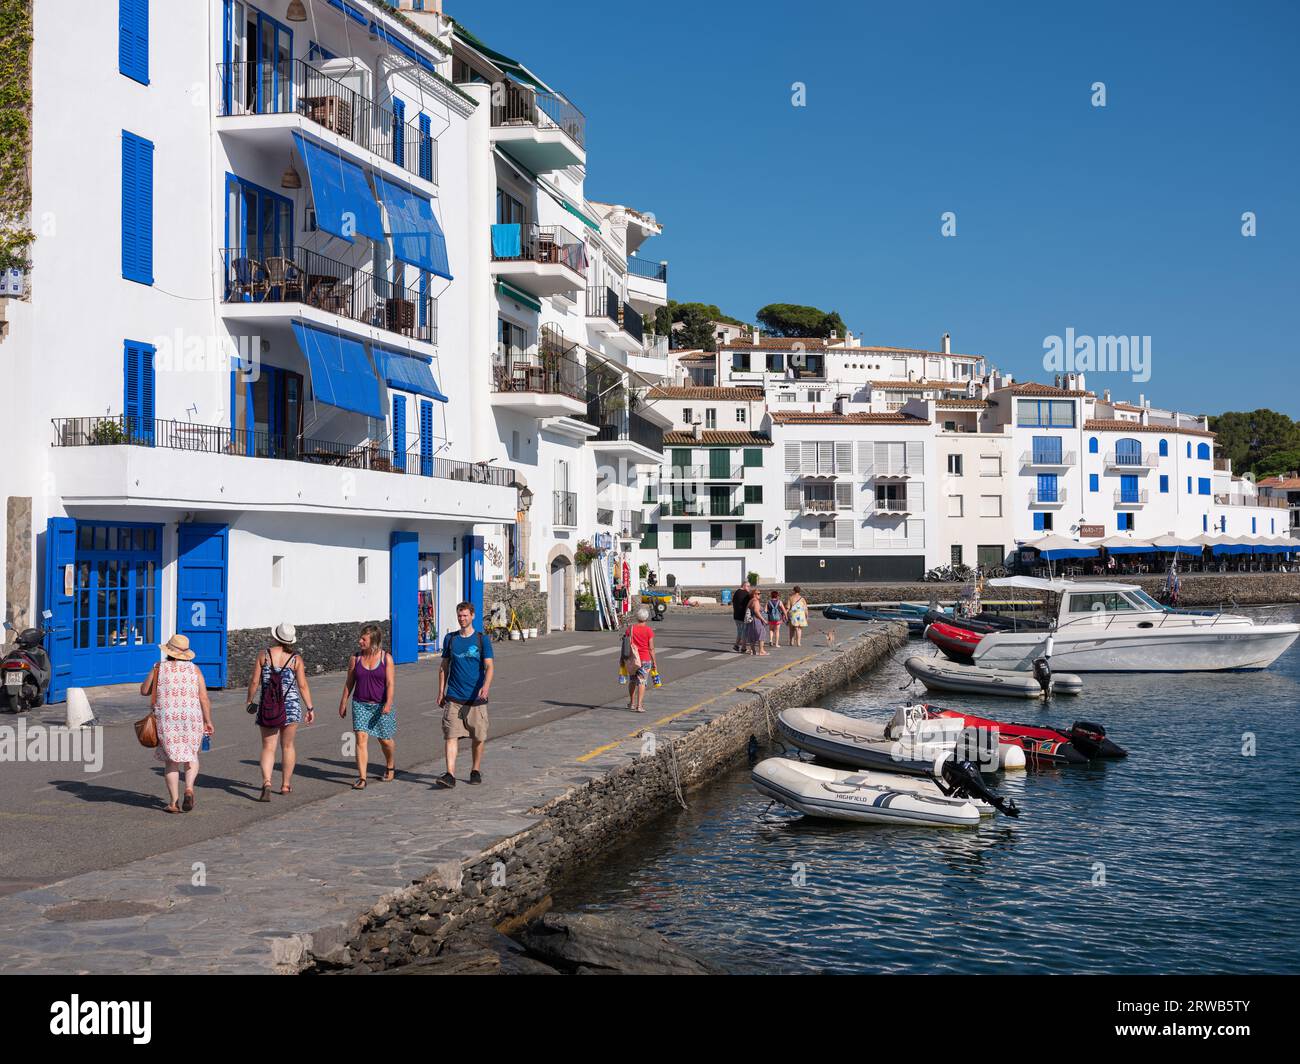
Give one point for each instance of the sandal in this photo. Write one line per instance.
(188, 803)
(286, 789)
(172, 809)
(388, 776)
(360, 785)
(266, 793)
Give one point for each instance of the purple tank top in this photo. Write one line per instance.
(371, 684)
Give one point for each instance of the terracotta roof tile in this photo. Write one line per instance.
(913, 386)
(1113, 425)
(1034, 388)
(717, 439)
(1291, 483)
(960, 404)
(669, 391)
(796, 417)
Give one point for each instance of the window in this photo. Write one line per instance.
(1093, 482)
(954, 465)
(753, 457)
(650, 541)
(1164, 448)
(1099, 601)
(1047, 488)
(426, 437)
(399, 433)
(681, 537)
(399, 131)
(1164, 484)
(891, 497)
(138, 392)
(1203, 485)
(990, 505)
(954, 554)
(649, 497)
(509, 210)
(1047, 450)
(740, 361)
(753, 493)
(1042, 521)
(988, 556)
(1124, 522)
(1189, 485)
(133, 39)
(776, 362)
(740, 415)
(1092, 444)
(426, 148)
(990, 465)
(1189, 448)
(137, 208)
(715, 535)
(954, 506)
(1253, 529)
(1203, 451)
(515, 449)
(1045, 413)
(747, 537)
(688, 416)
(277, 570)
(710, 418)
(1205, 522)
(362, 561)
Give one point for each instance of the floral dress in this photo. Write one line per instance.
(798, 613)
(178, 713)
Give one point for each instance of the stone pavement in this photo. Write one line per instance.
(244, 900)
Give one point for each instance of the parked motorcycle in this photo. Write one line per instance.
(24, 672)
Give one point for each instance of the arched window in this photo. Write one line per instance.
(1092, 444)
(1164, 448)
(1128, 452)
(1202, 450)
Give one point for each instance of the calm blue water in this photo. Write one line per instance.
(1200, 848)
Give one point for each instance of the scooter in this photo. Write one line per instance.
(24, 672)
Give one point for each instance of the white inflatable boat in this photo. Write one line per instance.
(908, 743)
(940, 674)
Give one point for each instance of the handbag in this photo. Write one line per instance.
(146, 730)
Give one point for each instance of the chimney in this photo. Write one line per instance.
(695, 430)
(756, 336)
(945, 345)
(1105, 395)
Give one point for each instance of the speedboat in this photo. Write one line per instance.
(1111, 627)
(910, 742)
(915, 623)
(940, 675)
(878, 797)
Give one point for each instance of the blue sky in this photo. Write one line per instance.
(1122, 220)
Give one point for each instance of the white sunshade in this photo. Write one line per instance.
(1122, 542)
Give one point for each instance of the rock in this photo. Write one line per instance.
(470, 962)
(583, 942)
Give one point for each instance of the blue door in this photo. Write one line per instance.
(404, 595)
(202, 582)
(474, 577)
(60, 557)
(274, 66)
(1047, 487)
(1128, 488)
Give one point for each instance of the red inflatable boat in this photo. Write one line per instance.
(1051, 746)
(956, 643)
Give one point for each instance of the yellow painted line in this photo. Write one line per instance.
(698, 705)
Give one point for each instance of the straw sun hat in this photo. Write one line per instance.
(285, 634)
(178, 647)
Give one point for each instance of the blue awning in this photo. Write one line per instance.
(340, 371)
(340, 193)
(407, 372)
(418, 239)
(1069, 552)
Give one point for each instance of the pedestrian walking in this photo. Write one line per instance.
(740, 613)
(372, 684)
(183, 716)
(774, 612)
(797, 614)
(464, 679)
(755, 627)
(278, 693)
(642, 639)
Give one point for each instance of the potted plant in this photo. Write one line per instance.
(585, 617)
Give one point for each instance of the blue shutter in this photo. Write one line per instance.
(1093, 484)
(404, 595)
(1038, 522)
(202, 595)
(399, 432)
(138, 392)
(137, 208)
(1128, 488)
(1203, 485)
(133, 39)
(399, 132)
(1164, 484)
(426, 148)
(1047, 487)
(426, 438)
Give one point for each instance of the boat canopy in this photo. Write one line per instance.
(1032, 583)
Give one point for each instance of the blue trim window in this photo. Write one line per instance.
(1203, 485)
(259, 222)
(1047, 450)
(1125, 522)
(1092, 444)
(1164, 484)
(1189, 448)
(1205, 522)
(1093, 483)
(133, 39)
(1203, 451)
(1128, 488)
(137, 208)
(1128, 451)
(399, 433)
(1045, 413)
(138, 392)
(1042, 522)
(315, 53)
(1047, 487)
(1189, 485)
(1164, 448)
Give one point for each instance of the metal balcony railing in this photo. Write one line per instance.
(1047, 498)
(295, 275)
(604, 517)
(603, 302)
(629, 428)
(566, 509)
(1048, 457)
(1131, 498)
(1134, 460)
(124, 430)
(517, 105)
(548, 372)
(651, 271)
(548, 244)
(262, 87)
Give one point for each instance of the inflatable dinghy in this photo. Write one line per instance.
(956, 643)
(1079, 743)
(911, 742)
(939, 674)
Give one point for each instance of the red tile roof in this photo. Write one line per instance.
(960, 404)
(916, 386)
(796, 417)
(670, 391)
(1113, 425)
(717, 439)
(1289, 483)
(1034, 388)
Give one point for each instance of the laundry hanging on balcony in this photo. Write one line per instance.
(407, 372)
(418, 239)
(341, 195)
(341, 374)
(575, 256)
(507, 240)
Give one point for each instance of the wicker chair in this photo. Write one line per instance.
(248, 279)
(284, 274)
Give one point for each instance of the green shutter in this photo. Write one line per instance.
(719, 463)
(753, 457)
(753, 493)
(681, 537)
(650, 540)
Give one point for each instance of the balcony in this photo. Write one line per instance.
(1271, 502)
(623, 435)
(253, 89)
(887, 506)
(1131, 498)
(566, 509)
(540, 129)
(1044, 499)
(818, 507)
(619, 322)
(647, 284)
(550, 383)
(701, 508)
(1136, 461)
(278, 285)
(543, 260)
(1048, 459)
(124, 461)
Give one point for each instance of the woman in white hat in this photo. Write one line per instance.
(183, 715)
(278, 693)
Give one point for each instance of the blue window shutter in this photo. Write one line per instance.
(1189, 485)
(1092, 444)
(133, 39)
(138, 391)
(1164, 448)
(399, 432)
(1252, 526)
(424, 300)
(1038, 522)
(1203, 485)
(1205, 522)
(1093, 484)
(137, 208)
(399, 132)
(1164, 484)
(426, 438)
(426, 148)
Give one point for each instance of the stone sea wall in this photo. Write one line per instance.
(324, 647)
(510, 882)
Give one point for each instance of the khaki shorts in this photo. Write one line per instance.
(461, 720)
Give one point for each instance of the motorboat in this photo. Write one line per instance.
(878, 797)
(1113, 627)
(915, 622)
(1083, 741)
(910, 742)
(957, 643)
(939, 674)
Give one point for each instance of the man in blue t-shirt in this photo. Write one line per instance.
(463, 682)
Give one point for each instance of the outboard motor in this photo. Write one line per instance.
(1043, 674)
(963, 781)
(1090, 740)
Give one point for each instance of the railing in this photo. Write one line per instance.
(544, 373)
(812, 504)
(256, 87)
(651, 271)
(516, 105)
(1131, 498)
(603, 302)
(701, 507)
(1048, 458)
(551, 244)
(655, 347)
(605, 517)
(295, 275)
(119, 430)
(1141, 460)
(566, 509)
(896, 505)
(1047, 498)
(1269, 501)
(630, 428)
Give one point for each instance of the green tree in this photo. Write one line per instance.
(1250, 437)
(1285, 461)
(794, 319)
(696, 327)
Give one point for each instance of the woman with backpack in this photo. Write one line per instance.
(372, 683)
(774, 613)
(277, 693)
